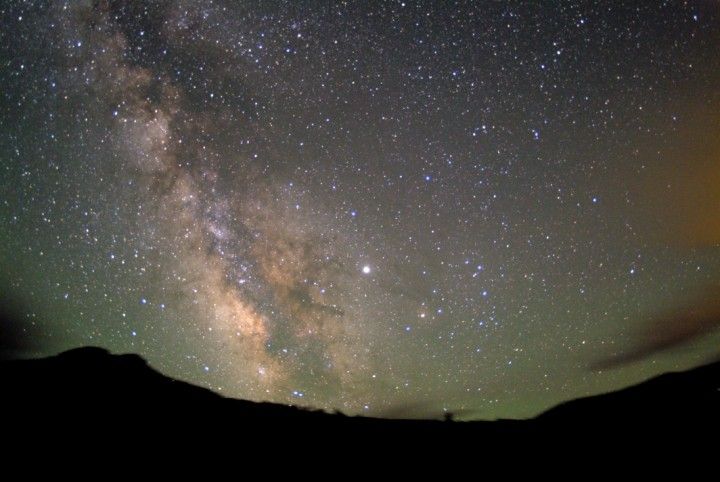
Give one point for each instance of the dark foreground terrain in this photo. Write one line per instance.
(101, 397)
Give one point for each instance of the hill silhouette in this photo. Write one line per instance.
(90, 391)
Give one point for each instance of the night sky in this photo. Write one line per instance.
(388, 208)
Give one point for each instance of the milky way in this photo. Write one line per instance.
(388, 208)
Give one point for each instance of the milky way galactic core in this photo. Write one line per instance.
(386, 208)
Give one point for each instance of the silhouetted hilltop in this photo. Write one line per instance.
(88, 390)
(90, 382)
(681, 401)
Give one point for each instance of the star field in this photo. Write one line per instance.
(388, 208)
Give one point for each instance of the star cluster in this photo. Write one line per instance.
(390, 208)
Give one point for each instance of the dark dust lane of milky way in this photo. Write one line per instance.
(386, 208)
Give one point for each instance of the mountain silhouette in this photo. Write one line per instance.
(90, 391)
